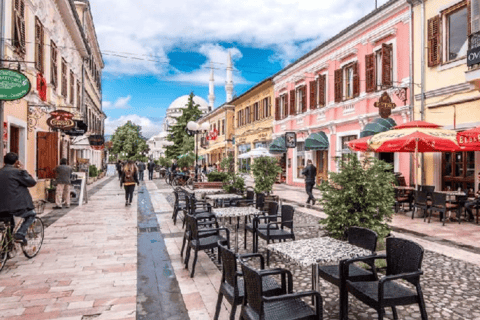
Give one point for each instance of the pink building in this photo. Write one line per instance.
(328, 95)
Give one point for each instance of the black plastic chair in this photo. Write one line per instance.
(276, 230)
(401, 197)
(202, 239)
(441, 206)
(232, 286)
(272, 214)
(179, 204)
(420, 203)
(404, 261)
(257, 306)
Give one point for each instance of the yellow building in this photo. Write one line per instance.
(445, 88)
(219, 142)
(254, 120)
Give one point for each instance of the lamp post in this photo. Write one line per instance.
(196, 129)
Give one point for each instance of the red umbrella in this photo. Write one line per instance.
(417, 124)
(470, 139)
(359, 144)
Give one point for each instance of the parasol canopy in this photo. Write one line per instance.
(470, 139)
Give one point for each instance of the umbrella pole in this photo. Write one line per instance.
(416, 164)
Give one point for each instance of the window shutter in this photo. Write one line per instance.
(313, 103)
(72, 88)
(387, 51)
(78, 94)
(434, 44)
(322, 87)
(474, 26)
(53, 65)
(277, 108)
(19, 26)
(47, 154)
(356, 80)
(469, 17)
(338, 85)
(269, 107)
(292, 102)
(370, 72)
(285, 109)
(303, 91)
(39, 36)
(64, 78)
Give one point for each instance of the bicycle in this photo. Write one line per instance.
(182, 181)
(168, 178)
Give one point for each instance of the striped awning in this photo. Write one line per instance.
(317, 141)
(377, 126)
(278, 145)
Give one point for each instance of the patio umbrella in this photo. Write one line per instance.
(244, 156)
(470, 139)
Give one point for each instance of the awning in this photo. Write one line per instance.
(377, 126)
(278, 145)
(317, 141)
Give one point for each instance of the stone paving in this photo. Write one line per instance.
(86, 269)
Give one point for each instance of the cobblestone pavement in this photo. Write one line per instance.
(451, 287)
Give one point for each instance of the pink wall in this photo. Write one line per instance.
(335, 122)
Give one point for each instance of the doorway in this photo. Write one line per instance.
(15, 140)
(322, 166)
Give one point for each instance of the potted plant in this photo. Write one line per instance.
(51, 193)
(265, 171)
(233, 182)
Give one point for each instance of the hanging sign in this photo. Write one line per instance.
(473, 56)
(61, 120)
(79, 129)
(385, 105)
(96, 140)
(14, 85)
(291, 139)
(42, 87)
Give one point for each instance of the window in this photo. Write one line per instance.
(300, 100)
(456, 37)
(475, 16)
(458, 171)
(64, 78)
(53, 65)
(266, 108)
(255, 112)
(345, 149)
(347, 83)
(382, 68)
(78, 94)
(321, 92)
(72, 88)
(39, 37)
(247, 115)
(283, 106)
(223, 126)
(348, 74)
(300, 158)
(18, 28)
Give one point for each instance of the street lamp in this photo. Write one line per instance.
(196, 129)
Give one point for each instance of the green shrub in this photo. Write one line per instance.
(216, 176)
(361, 194)
(93, 171)
(265, 171)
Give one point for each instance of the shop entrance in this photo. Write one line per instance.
(458, 171)
(322, 166)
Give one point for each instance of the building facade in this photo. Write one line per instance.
(330, 92)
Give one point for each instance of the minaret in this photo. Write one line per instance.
(211, 88)
(229, 82)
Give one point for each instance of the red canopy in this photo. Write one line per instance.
(359, 144)
(470, 139)
(417, 124)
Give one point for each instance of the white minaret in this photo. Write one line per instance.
(211, 88)
(229, 82)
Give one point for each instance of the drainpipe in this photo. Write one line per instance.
(412, 81)
(422, 81)
(2, 49)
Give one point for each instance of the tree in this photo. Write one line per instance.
(265, 171)
(128, 143)
(361, 194)
(183, 142)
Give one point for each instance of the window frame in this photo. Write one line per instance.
(446, 31)
(18, 28)
(64, 78)
(325, 90)
(53, 65)
(346, 82)
(39, 45)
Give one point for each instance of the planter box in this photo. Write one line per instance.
(208, 185)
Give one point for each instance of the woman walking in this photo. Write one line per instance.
(129, 178)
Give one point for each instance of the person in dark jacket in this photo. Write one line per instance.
(15, 199)
(151, 167)
(63, 173)
(141, 169)
(310, 173)
(119, 169)
(129, 179)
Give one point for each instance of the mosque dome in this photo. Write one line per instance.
(181, 103)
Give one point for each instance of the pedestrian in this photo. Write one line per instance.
(141, 169)
(119, 169)
(151, 167)
(310, 173)
(174, 166)
(15, 198)
(129, 179)
(204, 171)
(474, 203)
(63, 173)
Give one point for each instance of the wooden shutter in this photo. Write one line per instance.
(72, 87)
(19, 26)
(285, 109)
(53, 64)
(238, 119)
(387, 51)
(370, 72)
(356, 80)
(313, 103)
(269, 107)
(322, 85)
(277, 108)
(39, 36)
(434, 41)
(338, 85)
(469, 17)
(64, 78)
(292, 103)
(47, 154)
(78, 94)
(303, 91)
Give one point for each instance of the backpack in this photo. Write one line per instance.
(129, 176)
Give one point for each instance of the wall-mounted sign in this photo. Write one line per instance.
(96, 140)
(14, 85)
(42, 87)
(61, 120)
(473, 56)
(291, 139)
(385, 105)
(97, 147)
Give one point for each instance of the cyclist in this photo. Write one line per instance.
(15, 199)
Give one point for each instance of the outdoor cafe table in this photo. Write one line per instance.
(223, 197)
(236, 212)
(319, 251)
(405, 188)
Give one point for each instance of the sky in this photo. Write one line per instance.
(155, 51)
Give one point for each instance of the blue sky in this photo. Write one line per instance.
(156, 51)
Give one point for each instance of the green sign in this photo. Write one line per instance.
(13, 85)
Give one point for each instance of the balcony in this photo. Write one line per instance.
(472, 75)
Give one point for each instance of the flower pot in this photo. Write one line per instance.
(51, 195)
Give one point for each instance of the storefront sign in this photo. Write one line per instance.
(96, 140)
(473, 56)
(97, 147)
(42, 87)
(61, 120)
(79, 130)
(385, 105)
(13, 85)
(291, 139)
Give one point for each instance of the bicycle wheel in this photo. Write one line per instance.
(3, 249)
(175, 182)
(35, 234)
(190, 184)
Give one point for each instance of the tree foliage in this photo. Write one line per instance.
(265, 171)
(128, 143)
(186, 161)
(164, 162)
(361, 194)
(232, 181)
(183, 143)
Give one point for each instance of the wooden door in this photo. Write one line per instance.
(14, 140)
(322, 166)
(47, 154)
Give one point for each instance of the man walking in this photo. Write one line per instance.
(15, 199)
(141, 169)
(310, 172)
(119, 169)
(63, 173)
(151, 167)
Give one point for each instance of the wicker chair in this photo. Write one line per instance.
(404, 260)
(202, 239)
(441, 206)
(232, 286)
(272, 213)
(276, 230)
(257, 306)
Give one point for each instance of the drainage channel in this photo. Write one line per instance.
(158, 293)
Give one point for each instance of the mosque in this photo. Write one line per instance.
(158, 142)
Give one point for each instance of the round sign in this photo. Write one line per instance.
(61, 124)
(13, 85)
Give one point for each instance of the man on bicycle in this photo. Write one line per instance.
(15, 199)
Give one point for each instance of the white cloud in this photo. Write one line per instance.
(150, 29)
(121, 103)
(149, 127)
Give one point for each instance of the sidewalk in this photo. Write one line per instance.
(86, 269)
